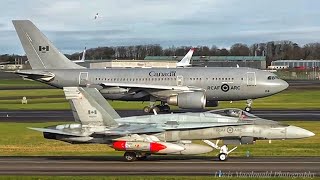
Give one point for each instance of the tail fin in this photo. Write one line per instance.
(84, 54)
(82, 58)
(185, 61)
(40, 51)
(89, 107)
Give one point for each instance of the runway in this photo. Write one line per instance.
(49, 116)
(157, 165)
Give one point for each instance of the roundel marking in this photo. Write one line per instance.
(225, 87)
(230, 130)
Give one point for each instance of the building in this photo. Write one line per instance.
(12, 66)
(258, 62)
(298, 64)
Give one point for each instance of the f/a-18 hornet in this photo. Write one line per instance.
(189, 88)
(141, 136)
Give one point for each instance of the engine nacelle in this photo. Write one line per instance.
(212, 103)
(190, 100)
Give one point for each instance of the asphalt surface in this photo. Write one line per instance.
(159, 165)
(49, 116)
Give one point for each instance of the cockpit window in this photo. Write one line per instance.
(233, 113)
(272, 77)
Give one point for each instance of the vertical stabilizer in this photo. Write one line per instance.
(186, 60)
(41, 53)
(89, 107)
(84, 54)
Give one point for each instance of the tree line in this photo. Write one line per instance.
(273, 50)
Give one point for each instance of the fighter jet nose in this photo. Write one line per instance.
(293, 132)
(284, 85)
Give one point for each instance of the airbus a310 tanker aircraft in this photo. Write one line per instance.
(141, 136)
(190, 88)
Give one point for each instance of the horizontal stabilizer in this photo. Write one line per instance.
(54, 131)
(36, 74)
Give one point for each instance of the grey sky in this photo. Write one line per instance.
(70, 24)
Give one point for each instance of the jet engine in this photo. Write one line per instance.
(190, 100)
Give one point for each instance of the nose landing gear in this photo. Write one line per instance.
(224, 151)
(249, 105)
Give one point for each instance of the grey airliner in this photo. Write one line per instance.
(190, 88)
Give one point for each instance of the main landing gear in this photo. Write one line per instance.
(224, 151)
(249, 105)
(133, 156)
(162, 107)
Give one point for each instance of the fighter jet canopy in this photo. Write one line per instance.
(233, 112)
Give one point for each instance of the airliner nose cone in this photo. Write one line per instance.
(294, 132)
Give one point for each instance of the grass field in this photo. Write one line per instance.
(16, 83)
(17, 140)
(53, 99)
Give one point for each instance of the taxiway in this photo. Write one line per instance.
(156, 165)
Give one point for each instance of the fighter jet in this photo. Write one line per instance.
(141, 136)
(189, 88)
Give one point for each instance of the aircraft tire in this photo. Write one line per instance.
(130, 156)
(146, 109)
(248, 109)
(222, 156)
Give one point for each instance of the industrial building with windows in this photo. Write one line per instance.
(296, 63)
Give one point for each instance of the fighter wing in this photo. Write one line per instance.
(150, 86)
(133, 129)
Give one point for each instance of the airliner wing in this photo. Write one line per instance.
(150, 86)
